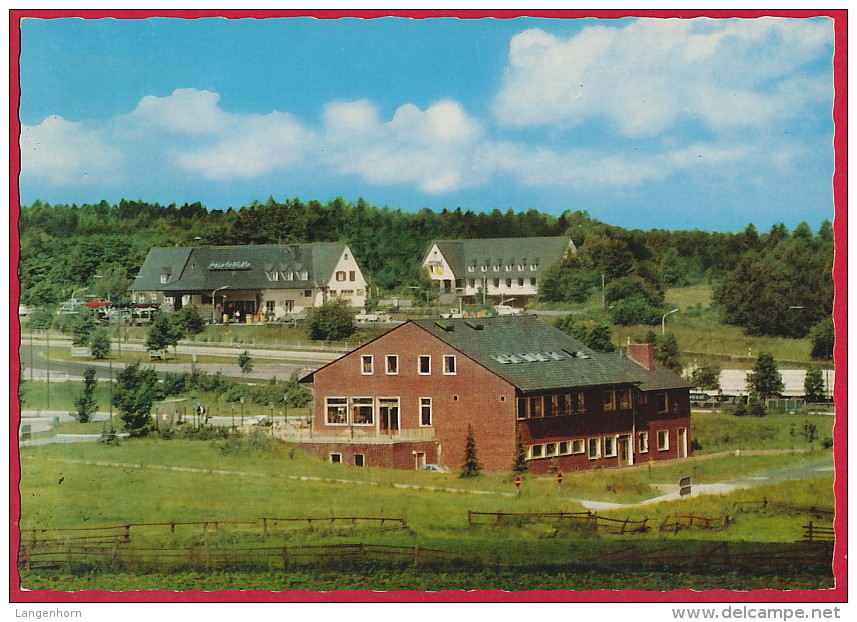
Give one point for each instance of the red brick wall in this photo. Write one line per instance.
(395, 456)
(473, 395)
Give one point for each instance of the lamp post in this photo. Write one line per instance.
(213, 305)
(663, 321)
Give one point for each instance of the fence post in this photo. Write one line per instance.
(127, 533)
(470, 518)
(416, 554)
(809, 532)
(265, 527)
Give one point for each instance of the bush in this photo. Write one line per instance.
(332, 321)
(256, 441)
(634, 311)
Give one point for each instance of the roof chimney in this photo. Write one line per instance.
(643, 354)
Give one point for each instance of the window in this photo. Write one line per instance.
(577, 402)
(336, 458)
(550, 449)
(509, 267)
(304, 275)
(352, 275)
(269, 307)
(340, 275)
(392, 364)
(471, 282)
(471, 268)
(425, 411)
(533, 281)
(484, 267)
(610, 400)
(165, 277)
(578, 446)
(562, 404)
(550, 405)
(508, 282)
(345, 256)
(359, 460)
(535, 265)
(337, 411)
(367, 364)
(535, 407)
(496, 282)
(663, 440)
(522, 407)
(360, 292)
(643, 442)
(520, 282)
(424, 365)
(454, 398)
(624, 398)
(662, 402)
(536, 451)
(362, 411)
(594, 448)
(288, 276)
(289, 305)
(307, 293)
(609, 446)
(449, 364)
(563, 448)
(273, 276)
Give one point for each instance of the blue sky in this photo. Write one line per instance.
(646, 123)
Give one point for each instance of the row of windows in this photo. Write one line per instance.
(340, 275)
(521, 281)
(538, 406)
(275, 275)
(359, 459)
(391, 364)
(595, 447)
(508, 267)
(364, 411)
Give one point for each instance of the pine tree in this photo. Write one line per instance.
(85, 404)
(245, 362)
(765, 380)
(813, 386)
(471, 466)
(99, 343)
(519, 467)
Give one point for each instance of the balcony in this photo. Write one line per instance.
(297, 434)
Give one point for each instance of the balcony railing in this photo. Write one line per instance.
(298, 434)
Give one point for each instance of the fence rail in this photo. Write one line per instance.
(818, 533)
(720, 554)
(808, 509)
(680, 521)
(591, 519)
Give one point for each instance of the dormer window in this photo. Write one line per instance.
(165, 276)
(273, 276)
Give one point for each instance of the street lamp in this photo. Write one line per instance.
(663, 321)
(213, 305)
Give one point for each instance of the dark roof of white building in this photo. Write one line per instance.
(541, 252)
(206, 268)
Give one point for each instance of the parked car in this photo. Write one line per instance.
(507, 310)
(434, 467)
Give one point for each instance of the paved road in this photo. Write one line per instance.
(268, 363)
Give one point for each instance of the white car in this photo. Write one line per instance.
(434, 467)
(506, 310)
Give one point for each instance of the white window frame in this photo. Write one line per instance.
(610, 406)
(340, 276)
(363, 359)
(327, 405)
(623, 399)
(354, 403)
(551, 449)
(531, 452)
(338, 460)
(563, 448)
(578, 446)
(420, 359)
(446, 367)
(363, 459)
(388, 358)
(643, 442)
(593, 443)
(663, 440)
(426, 402)
(609, 447)
(666, 407)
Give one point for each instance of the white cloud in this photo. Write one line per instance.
(650, 74)
(188, 111)
(66, 152)
(435, 149)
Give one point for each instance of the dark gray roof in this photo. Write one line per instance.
(206, 268)
(544, 251)
(535, 356)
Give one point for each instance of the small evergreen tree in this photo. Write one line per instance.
(99, 343)
(600, 339)
(245, 362)
(85, 404)
(188, 321)
(162, 333)
(813, 386)
(823, 337)
(740, 410)
(707, 377)
(765, 380)
(667, 352)
(519, 467)
(755, 408)
(134, 395)
(471, 466)
(82, 327)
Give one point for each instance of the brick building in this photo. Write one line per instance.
(406, 399)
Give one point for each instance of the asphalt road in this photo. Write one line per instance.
(267, 363)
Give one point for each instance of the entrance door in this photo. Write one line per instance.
(682, 442)
(623, 448)
(388, 415)
(419, 460)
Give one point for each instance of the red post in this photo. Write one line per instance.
(559, 478)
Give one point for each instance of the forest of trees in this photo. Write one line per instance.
(773, 283)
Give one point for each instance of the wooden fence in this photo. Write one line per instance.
(590, 519)
(818, 533)
(764, 503)
(208, 558)
(675, 522)
(123, 533)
